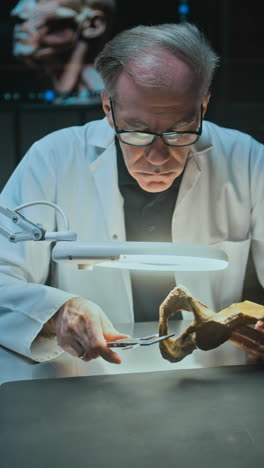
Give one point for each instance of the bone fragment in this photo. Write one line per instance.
(209, 329)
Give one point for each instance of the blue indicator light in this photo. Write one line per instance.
(183, 9)
(49, 95)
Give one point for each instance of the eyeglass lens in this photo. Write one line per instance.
(141, 139)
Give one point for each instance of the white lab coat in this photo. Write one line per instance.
(220, 202)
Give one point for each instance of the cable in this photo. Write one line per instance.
(42, 202)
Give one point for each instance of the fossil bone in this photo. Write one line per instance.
(210, 329)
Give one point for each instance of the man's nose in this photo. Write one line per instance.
(157, 153)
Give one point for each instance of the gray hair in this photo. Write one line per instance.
(184, 40)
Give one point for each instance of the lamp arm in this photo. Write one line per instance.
(29, 230)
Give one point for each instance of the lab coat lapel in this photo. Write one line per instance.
(191, 175)
(193, 169)
(104, 170)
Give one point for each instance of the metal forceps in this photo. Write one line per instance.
(129, 343)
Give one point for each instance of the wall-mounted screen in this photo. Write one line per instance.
(50, 48)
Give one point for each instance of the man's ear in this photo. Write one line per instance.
(106, 107)
(205, 103)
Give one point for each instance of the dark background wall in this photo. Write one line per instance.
(234, 27)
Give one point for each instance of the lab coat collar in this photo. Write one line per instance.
(103, 135)
(193, 167)
(203, 145)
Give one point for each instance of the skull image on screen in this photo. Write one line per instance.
(60, 40)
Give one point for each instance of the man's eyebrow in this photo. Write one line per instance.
(177, 125)
(183, 123)
(135, 123)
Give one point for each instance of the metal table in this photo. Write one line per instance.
(146, 412)
(143, 359)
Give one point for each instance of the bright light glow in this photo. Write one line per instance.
(166, 263)
(149, 256)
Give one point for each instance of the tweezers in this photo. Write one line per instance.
(128, 343)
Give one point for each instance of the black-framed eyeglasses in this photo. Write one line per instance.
(142, 138)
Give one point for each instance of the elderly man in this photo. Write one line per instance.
(153, 169)
(60, 40)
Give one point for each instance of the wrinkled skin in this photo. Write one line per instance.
(174, 106)
(83, 329)
(62, 38)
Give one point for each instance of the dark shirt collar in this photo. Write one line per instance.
(124, 178)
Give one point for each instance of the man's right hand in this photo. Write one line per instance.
(82, 329)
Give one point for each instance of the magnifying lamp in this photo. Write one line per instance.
(150, 256)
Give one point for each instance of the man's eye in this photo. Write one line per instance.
(173, 137)
(141, 136)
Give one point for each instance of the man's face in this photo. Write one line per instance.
(47, 27)
(159, 110)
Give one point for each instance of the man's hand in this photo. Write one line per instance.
(250, 340)
(260, 326)
(82, 328)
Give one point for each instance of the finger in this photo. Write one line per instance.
(249, 339)
(102, 351)
(109, 331)
(75, 350)
(110, 356)
(93, 342)
(90, 356)
(260, 326)
(115, 336)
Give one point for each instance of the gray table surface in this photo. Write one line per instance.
(142, 359)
